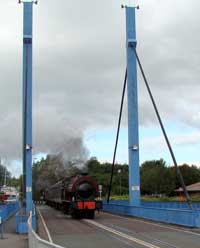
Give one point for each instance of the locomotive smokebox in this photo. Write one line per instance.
(84, 173)
(85, 191)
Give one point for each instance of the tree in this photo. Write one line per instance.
(101, 173)
(15, 182)
(52, 169)
(191, 174)
(4, 173)
(156, 178)
(46, 173)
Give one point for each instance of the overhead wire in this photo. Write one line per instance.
(117, 136)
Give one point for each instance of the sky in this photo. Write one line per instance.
(79, 59)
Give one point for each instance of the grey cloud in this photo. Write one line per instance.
(79, 64)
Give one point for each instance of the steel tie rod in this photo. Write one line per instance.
(163, 131)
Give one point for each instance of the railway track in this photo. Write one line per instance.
(108, 230)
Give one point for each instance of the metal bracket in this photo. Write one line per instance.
(134, 147)
(28, 147)
(27, 40)
(25, 1)
(125, 6)
(131, 43)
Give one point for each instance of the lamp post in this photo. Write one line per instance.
(100, 192)
(120, 181)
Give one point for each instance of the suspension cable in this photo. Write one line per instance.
(117, 136)
(179, 174)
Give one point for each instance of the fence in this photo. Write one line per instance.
(35, 241)
(165, 205)
(179, 216)
(8, 209)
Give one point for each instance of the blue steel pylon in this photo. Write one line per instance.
(133, 127)
(27, 103)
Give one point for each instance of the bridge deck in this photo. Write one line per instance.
(108, 230)
(10, 238)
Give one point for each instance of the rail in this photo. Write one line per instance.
(35, 241)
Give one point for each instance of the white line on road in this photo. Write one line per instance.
(123, 235)
(155, 224)
(45, 227)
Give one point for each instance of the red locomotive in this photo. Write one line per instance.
(75, 196)
(3, 196)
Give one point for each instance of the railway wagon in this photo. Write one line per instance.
(75, 196)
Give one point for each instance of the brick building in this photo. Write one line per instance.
(193, 189)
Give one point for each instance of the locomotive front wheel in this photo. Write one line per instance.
(90, 214)
(76, 214)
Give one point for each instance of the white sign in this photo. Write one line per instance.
(135, 188)
(28, 189)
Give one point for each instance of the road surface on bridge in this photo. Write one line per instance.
(112, 231)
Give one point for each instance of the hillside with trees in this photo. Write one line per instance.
(157, 177)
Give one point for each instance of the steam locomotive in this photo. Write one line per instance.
(75, 196)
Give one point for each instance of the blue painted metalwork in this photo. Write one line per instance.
(133, 130)
(27, 102)
(185, 217)
(169, 212)
(8, 210)
(22, 222)
(22, 218)
(171, 205)
(166, 205)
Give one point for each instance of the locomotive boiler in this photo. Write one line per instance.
(76, 196)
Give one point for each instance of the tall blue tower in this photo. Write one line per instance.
(133, 127)
(22, 217)
(27, 103)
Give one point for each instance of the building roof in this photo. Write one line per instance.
(192, 187)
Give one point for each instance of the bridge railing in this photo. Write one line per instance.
(35, 241)
(9, 209)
